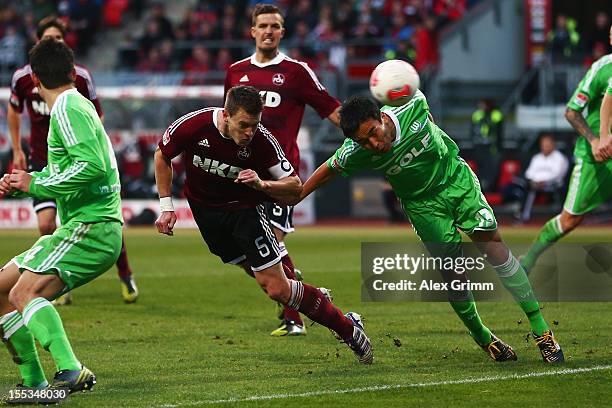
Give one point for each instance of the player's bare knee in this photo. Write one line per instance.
(18, 298)
(278, 291)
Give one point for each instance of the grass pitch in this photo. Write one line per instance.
(198, 336)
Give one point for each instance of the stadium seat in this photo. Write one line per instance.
(507, 171)
(113, 11)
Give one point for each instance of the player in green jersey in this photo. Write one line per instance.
(605, 115)
(592, 173)
(440, 195)
(82, 177)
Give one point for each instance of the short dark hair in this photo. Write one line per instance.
(355, 111)
(264, 8)
(48, 22)
(53, 63)
(245, 97)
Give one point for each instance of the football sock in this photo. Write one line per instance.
(289, 313)
(310, 301)
(514, 279)
(46, 326)
(550, 233)
(123, 266)
(287, 261)
(20, 344)
(466, 310)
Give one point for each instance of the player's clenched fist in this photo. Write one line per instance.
(20, 180)
(251, 179)
(165, 222)
(5, 186)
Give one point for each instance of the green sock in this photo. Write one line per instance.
(514, 279)
(550, 233)
(466, 310)
(20, 344)
(46, 326)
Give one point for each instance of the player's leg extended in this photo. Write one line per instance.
(514, 279)
(313, 303)
(16, 336)
(129, 290)
(75, 254)
(282, 224)
(29, 296)
(585, 193)
(436, 220)
(512, 276)
(434, 226)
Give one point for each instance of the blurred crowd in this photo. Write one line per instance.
(323, 33)
(18, 20)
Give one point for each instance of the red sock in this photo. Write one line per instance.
(123, 267)
(288, 263)
(310, 301)
(289, 313)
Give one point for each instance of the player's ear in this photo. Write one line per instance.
(225, 115)
(73, 75)
(35, 80)
(282, 32)
(253, 32)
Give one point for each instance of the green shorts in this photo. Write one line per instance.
(590, 186)
(459, 205)
(76, 252)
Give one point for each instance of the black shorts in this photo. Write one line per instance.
(235, 236)
(40, 204)
(281, 216)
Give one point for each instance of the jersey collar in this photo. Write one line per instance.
(62, 95)
(398, 134)
(274, 61)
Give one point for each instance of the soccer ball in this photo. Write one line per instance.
(394, 82)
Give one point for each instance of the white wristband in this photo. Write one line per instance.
(165, 204)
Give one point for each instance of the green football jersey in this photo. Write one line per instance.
(81, 174)
(589, 95)
(422, 157)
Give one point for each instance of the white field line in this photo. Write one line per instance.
(373, 388)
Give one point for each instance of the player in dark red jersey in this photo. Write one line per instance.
(287, 86)
(234, 164)
(25, 94)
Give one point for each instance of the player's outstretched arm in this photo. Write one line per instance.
(321, 176)
(163, 180)
(605, 116)
(578, 122)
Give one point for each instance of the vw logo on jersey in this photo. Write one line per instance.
(278, 79)
(244, 153)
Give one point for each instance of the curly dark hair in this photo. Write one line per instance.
(355, 111)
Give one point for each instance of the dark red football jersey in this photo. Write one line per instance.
(213, 161)
(23, 92)
(287, 86)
